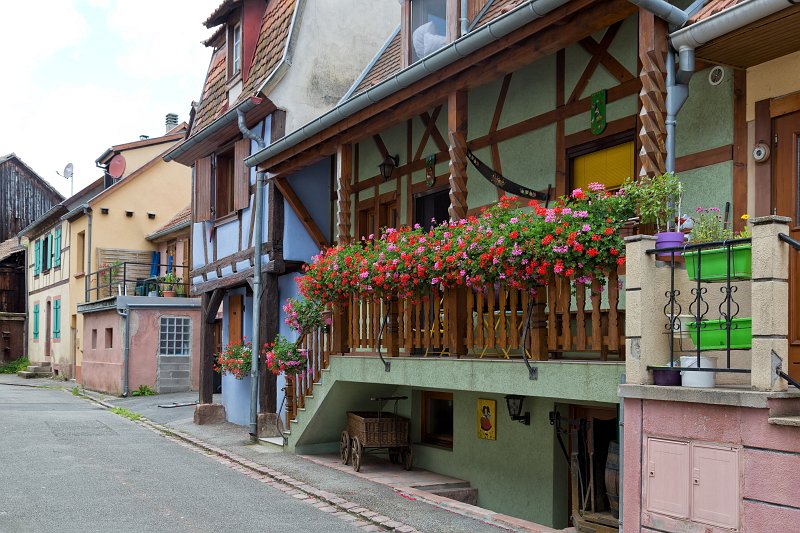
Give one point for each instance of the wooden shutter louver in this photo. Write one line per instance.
(202, 190)
(241, 175)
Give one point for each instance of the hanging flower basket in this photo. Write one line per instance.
(713, 265)
(283, 356)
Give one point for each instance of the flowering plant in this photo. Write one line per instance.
(284, 356)
(657, 199)
(235, 359)
(334, 274)
(304, 314)
(709, 226)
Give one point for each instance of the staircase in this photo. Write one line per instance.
(39, 370)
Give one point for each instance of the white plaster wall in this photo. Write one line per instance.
(335, 40)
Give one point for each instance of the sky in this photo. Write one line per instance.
(82, 75)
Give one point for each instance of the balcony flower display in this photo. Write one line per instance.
(303, 314)
(283, 356)
(235, 359)
(709, 226)
(519, 245)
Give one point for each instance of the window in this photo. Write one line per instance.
(432, 206)
(79, 251)
(437, 418)
(174, 336)
(35, 321)
(236, 50)
(609, 165)
(109, 338)
(47, 253)
(224, 184)
(37, 257)
(94, 339)
(57, 319)
(428, 27)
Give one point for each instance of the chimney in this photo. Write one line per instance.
(171, 121)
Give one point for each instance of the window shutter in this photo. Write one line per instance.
(46, 252)
(56, 319)
(57, 248)
(241, 175)
(35, 321)
(202, 189)
(37, 257)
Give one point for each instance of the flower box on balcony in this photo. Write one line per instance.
(712, 264)
(713, 334)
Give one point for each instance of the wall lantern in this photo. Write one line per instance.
(388, 166)
(514, 403)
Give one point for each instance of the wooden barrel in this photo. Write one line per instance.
(612, 477)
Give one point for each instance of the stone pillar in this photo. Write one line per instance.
(646, 343)
(770, 302)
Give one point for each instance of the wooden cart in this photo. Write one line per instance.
(378, 431)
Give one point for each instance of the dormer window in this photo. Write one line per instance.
(428, 27)
(236, 50)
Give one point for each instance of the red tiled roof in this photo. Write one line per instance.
(387, 64)
(182, 217)
(712, 8)
(271, 44)
(497, 8)
(215, 95)
(222, 10)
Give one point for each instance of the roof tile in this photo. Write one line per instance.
(9, 247)
(215, 98)
(712, 8)
(183, 216)
(275, 28)
(387, 64)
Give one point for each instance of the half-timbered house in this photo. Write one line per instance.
(552, 95)
(275, 65)
(24, 196)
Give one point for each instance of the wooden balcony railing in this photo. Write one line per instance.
(568, 320)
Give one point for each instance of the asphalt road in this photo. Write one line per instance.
(67, 465)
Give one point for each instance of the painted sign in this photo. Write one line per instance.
(487, 419)
(598, 112)
(430, 170)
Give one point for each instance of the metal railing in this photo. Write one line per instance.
(698, 305)
(134, 279)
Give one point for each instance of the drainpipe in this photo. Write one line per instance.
(621, 457)
(88, 212)
(464, 20)
(125, 349)
(258, 238)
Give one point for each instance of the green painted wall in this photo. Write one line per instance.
(706, 120)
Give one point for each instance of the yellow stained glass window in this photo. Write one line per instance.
(609, 166)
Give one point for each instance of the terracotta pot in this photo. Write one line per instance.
(170, 294)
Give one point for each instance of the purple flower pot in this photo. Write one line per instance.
(666, 376)
(668, 239)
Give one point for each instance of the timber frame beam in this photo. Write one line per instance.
(538, 39)
(300, 210)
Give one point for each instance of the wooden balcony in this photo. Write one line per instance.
(568, 320)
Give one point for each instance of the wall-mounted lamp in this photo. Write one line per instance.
(388, 166)
(514, 403)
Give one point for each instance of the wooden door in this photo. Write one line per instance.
(786, 202)
(48, 328)
(235, 309)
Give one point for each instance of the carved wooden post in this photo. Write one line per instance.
(340, 328)
(652, 116)
(457, 126)
(290, 403)
(391, 334)
(538, 327)
(344, 173)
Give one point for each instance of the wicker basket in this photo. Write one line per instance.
(375, 429)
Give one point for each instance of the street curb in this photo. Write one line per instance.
(287, 484)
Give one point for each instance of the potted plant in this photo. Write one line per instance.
(169, 281)
(658, 201)
(234, 363)
(709, 226)
(284, 356)
(664, 375)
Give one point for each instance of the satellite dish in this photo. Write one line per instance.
(116, 167)
(68, 171)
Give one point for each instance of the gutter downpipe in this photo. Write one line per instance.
(125, 349)
(88, 212)
(464, 20)
(258, 238)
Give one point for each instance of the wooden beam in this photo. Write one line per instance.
(712, 156)
(602, 48)
(207, 348)
(652, 117)
(614, 127)
(230, 260)
(498, 111)
(381, 146)
(509, 53)
(561, 155)
(267, 330)
(609, 62)
(740, 149)
(300, 210)
(423, 142)
(763, 171)
(457, 113)
(344, 176)
(275, 220)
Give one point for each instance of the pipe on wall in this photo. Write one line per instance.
(126, 343)
(88, 212)
(258, 238)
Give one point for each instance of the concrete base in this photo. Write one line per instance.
(269, 425)
(209, 413)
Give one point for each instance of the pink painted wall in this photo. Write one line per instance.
(102, 368)
(768, 455)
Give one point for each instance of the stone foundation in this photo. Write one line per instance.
(269, 425)
(209, 413)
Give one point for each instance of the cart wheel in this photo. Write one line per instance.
(394, 455)
(356, 454)
(408, 457)
(344, 447)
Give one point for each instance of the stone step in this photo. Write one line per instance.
(40, 369)
(26, 374)
(271, 441)
(785, 420)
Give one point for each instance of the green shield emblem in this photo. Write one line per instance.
(598, 112)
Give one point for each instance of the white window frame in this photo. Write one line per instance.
(169, 347)
(236, 49)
